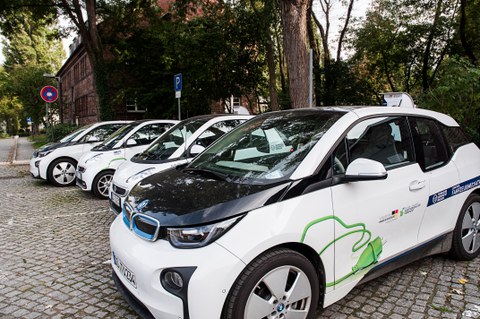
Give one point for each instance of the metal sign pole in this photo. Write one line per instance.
(179, 116)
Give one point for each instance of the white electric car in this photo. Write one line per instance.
(295, 208)
(56, 162)
(171, 150)
(96, 167)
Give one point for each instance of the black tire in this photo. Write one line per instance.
(61, 172)
(100, 184)
(274, 266)
(466, 236)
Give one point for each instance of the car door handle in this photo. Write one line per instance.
(416, 185)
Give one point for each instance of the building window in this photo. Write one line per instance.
(132, 106)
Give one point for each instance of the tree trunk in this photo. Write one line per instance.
(272, 74)
(294, 13)
(463, 38)
(428, 48)
(344, 30)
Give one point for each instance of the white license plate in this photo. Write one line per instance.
(126, 273)
(115, 199)
(79, 175)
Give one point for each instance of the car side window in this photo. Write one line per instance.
(386, 140)
(211, 134)
(430, 147)
(148, 133)
(102, 132)
(455, 137)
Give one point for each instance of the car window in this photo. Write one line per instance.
(386, 140)
(149, 133)
(102, 132)
(211, 134)
(455, 137)
(430, 148)
(169, 142)
(266, 149)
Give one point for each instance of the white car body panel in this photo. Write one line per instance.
(124, 174)
(111, 159)
(391, 216)
(74, 151)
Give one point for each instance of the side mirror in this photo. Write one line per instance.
(363, 169)
(196, 149)
(92, 139)
(131, 142)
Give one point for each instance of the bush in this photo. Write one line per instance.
(57, 132)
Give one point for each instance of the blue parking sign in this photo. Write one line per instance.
(177, 81)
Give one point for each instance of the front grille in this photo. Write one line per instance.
(81, 169)
(119, 190)
(145, 226)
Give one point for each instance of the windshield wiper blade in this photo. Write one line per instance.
(207, 172)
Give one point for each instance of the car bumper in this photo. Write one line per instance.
(84, 179)
(208, 285)
(34, 167)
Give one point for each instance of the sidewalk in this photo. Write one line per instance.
(19, 150)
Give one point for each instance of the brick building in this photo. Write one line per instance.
(80, 101)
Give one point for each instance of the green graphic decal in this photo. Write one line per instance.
(368, 257)
(116, 159)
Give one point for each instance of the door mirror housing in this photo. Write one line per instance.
(92, 139)
(363, 169)
(131, 142)
(196, 149)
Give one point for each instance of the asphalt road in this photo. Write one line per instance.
(55, 263)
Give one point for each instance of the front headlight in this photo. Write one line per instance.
(141, 175)
(94, 158)
(43, 153)
(195, 237)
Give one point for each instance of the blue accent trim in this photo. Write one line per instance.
(454, 190)
(125, 219)
(141, 233)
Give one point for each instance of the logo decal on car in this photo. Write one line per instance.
(454, 190)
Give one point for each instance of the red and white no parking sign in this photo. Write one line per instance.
(49, 94)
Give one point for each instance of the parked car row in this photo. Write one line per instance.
(289, 211)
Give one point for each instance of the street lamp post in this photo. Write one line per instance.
(59, 88)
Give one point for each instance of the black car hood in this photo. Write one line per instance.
(53, 146)
(178, 198)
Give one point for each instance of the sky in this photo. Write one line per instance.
(359, 9)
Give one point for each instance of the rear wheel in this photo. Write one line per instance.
(466, 236)
(281, 283)
(101, 184)
(61, 172)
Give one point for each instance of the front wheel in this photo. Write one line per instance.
(281, 283)
(466, 236)
(62, 172)
(101, 184)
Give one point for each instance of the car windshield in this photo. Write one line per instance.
(117, 136)
(267, 149)
(74, 134)
(168, 143)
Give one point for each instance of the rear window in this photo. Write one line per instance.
(455, 137)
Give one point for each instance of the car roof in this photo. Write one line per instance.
(366, 111)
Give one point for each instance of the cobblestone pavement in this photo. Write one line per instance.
(55, 263)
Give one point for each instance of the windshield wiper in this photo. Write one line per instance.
(207, 172)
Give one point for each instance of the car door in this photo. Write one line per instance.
(434, 158)
(376, 220)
